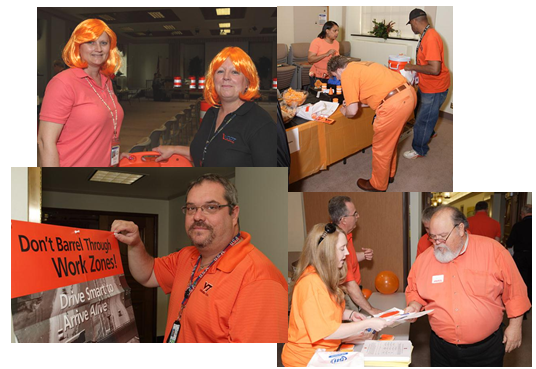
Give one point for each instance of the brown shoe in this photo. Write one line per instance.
(365, 185)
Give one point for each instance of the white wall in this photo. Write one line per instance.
(296, 222)
(262, 196)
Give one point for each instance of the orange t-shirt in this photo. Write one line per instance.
(469, 294)
(483, 225)
(313, 316)
(369, 83)
(321, 46)
(423, 244)
(242, 298)
(354, 274)
(431, 49)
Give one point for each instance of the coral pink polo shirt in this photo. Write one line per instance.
(86, 137)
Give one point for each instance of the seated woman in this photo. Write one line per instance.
(235, 132)
(80, 118)
(317, 309)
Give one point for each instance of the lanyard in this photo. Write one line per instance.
(114, 120)
(192, 284)
(419, 43)
(209, 139)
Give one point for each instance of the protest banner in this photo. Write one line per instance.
(68, 285)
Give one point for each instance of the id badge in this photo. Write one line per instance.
(174, 332)
(115, 153)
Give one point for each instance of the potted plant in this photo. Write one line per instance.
(381, 29)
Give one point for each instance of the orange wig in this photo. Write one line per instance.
(90, 30)
(243, 63)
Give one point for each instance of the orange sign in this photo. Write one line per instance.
(44, 257)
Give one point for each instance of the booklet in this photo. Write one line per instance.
(387, 353)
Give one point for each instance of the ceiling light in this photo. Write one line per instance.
(106, 17)
(225, 25)
(224, 32)
(156, 14)
(223, 11)
(176, 33)
(169, 27)
(115, 177)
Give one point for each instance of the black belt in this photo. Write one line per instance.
(470, 344)
(394, 92)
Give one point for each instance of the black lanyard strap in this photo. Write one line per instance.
(209, 139)
(419, 43)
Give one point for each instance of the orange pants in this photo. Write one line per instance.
(390, 119)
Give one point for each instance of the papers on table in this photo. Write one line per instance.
(398, 316)
(387, 353)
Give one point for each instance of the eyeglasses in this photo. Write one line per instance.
(328, 229)
(433, 238)
(355, 214)
(206, 209)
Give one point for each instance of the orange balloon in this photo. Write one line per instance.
(366, 292)
(386, 282)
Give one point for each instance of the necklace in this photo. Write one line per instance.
(114, 120)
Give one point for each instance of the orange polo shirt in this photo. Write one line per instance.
(469, 294)
(423, 244)
(242, 298)
(369, 83)
(354, 273)
(313, 315)
(483, 225)
(431, 49)
(321, 46)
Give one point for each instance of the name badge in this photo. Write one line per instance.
(437, 278)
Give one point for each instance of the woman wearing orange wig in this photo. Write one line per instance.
(80, 117)
(235, 132)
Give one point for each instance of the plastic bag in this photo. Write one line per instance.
(336, 359)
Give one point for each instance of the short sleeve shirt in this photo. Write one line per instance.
(469, 294)
(369, 83)
(314, 315)
(242, 297)
(431, 49)
(321, 46)
(353, 274)
(88, 128)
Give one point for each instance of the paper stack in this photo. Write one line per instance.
(387, 353)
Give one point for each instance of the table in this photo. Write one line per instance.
(324, 144)
(386, 302)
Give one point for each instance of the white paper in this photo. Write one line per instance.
(323, 358)
(387, 350)
(293, 137)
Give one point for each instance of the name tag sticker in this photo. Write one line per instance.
(437, 278)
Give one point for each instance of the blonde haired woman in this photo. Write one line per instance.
(80, 119)
(317, 310)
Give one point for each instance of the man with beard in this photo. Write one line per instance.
(468, 281)
(223, 289)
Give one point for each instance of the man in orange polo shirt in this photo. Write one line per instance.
(222, 289)
(434, 82)
(469, 281)
(343, 213)
(388, 93)
(482, 225)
